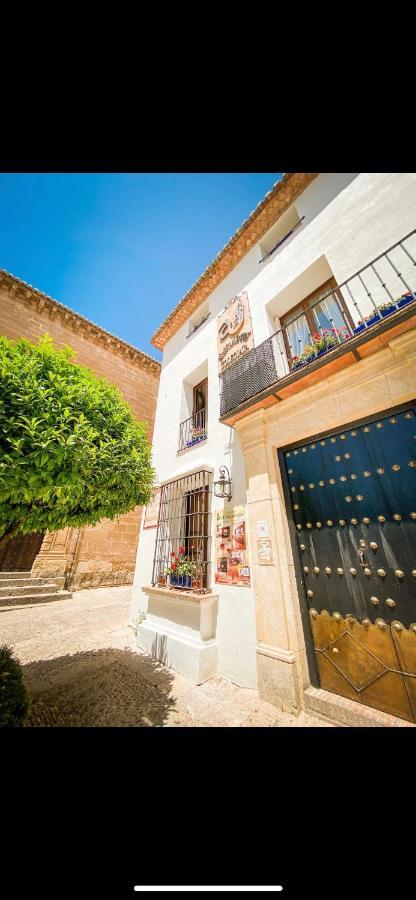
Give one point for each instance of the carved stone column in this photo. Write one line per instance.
(280, 643)
(55, 555)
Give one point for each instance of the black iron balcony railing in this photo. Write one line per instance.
(361, 303)
(193, 430)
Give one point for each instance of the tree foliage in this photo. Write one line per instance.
(71, 452)
(13, 697)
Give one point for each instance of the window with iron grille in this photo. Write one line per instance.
(183, 538)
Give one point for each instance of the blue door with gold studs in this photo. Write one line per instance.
(352, 498)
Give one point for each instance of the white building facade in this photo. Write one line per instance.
(295, 331)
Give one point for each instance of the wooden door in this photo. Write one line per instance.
(353, 505)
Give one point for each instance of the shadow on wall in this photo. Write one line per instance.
(109, 687)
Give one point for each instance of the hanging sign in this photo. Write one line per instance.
(234, 332)
(232, 560)
(151, 512)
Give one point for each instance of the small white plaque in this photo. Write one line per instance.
(262, 528)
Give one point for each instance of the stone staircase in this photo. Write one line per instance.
(17, 588)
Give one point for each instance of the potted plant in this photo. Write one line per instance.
(405, 299)
(161, 580)
(171, 571)
(197, 434)
(386, 309)
(320, 344)
(372, 318)
(181, 569)
(367, 321)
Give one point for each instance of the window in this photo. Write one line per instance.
(313, 314)
(197, 320)
(200, 397)
(194, 430)
(286, 225)
(184, 529)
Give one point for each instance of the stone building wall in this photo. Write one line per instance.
(383, 380)
(105, 554)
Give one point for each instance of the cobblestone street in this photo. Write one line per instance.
(81, 668)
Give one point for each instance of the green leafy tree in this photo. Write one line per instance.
(71, 452)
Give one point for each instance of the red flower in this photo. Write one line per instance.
(173, 565)
(182, 550)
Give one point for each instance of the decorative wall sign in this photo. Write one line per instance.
(231, 557)
(262, 528)
(234, 331)
(151, 512)
(265, 552)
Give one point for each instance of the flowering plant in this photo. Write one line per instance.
(181, 564)
(322, 341)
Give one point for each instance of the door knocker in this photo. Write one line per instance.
(360, 554)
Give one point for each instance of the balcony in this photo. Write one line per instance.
(193, 431)
(378, 297)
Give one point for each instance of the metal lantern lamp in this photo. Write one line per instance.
(222, 487)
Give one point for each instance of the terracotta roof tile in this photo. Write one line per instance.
(270, 208)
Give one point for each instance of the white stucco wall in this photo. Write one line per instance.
(349, 219)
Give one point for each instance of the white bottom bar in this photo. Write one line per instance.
(201, 887)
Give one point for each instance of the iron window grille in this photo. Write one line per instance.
(184, 533)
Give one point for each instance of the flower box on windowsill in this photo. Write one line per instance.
(387, 311)
(368, 323)
(309, 359)
(407, 298)
(181, 581)
(196, 439)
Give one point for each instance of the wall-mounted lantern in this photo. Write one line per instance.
(222, 487)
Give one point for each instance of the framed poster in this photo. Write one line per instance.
(231, 550)
(151, 511)
(234, 332)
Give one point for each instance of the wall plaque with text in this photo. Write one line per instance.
(234, 332)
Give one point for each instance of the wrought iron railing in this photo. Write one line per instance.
(193, 430)
(362, 302)
(183, 539)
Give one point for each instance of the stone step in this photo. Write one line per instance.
(47, 597)
(22, 582)
(4, 575)
(13, 591)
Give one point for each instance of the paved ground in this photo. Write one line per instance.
(82, 668)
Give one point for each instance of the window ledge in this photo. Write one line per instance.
(176, 594)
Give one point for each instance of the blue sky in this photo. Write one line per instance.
(121, 249)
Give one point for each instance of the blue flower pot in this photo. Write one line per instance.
(405, 300)
(195, 440)
(387, 312)
(359, 328)
(373, 320)
(184, 581)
